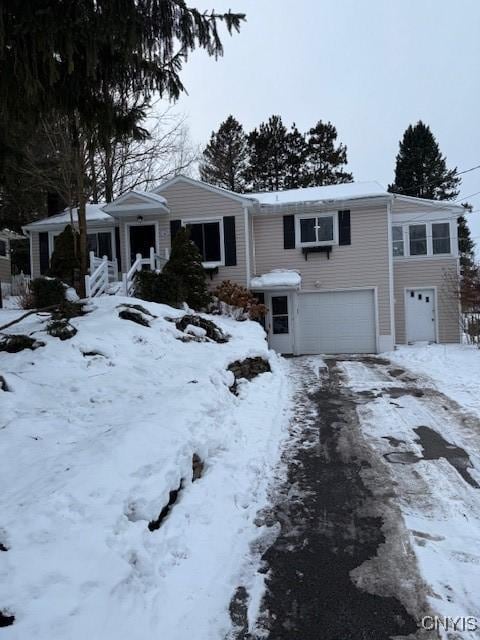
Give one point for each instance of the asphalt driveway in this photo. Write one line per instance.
(366, 440)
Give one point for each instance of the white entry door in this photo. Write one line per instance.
(420, 315)
(279, 322)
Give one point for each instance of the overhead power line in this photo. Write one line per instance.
(432, 182)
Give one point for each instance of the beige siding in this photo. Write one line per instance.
(5, 269)
(415, 207)
(440, 273)
(364, 263)
(35, 254)
(187, 201)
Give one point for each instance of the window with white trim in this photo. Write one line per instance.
(318, 230)
(397, 241)
(422, 239)
(417, 234)
(3, 248)
(440, 238)
(207, 235)
(100, 243)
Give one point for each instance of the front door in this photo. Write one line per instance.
(142, 237)
(420, 315)
(279, 325)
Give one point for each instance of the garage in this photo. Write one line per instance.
(337, 322)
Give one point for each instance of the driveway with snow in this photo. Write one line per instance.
(378, 507)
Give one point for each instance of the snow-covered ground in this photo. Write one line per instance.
(441, 509)
(454, 369)
(95, 432)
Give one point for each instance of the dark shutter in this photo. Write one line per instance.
(43, 249)
(118, 249)
(175, 226)
(289, 232)
(344, 235)
(230, 241)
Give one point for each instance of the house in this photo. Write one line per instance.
(5, 261)
(347, 268)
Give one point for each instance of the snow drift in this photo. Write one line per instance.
(96, 432)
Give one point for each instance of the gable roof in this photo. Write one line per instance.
(141, 200)
(238, 197)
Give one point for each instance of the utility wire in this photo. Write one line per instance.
(432, 182)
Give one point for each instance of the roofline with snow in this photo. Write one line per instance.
(148, 202)
(44, 225)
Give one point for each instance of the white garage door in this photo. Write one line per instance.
(337, 322)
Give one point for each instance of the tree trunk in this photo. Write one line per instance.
(81, 212)
(108, 170)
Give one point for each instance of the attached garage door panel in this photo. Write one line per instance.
(337, 322)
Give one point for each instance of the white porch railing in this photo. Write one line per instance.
(111, 264)
(102, 272)
(154, 261)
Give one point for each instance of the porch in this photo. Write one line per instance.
(104, 274)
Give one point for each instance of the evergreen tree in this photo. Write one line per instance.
(421, 169)
(296, 147)
(324, 161)
(225, 157)
(64, 261)
(466, 246)
(185, 265)
(267, 168)
(69, 58)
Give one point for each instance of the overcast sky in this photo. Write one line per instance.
(371, 67)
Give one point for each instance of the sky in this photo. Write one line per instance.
(371, 67)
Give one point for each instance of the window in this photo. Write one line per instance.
(418, 239)
(280, 314)
(397, 239)
(100, 243)
(318, 230)
(421, 239)
(441, 237)
(207, 237)
(3, 248)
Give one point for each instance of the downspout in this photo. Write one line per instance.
(390, 270)
(254, 255)
(247, 244)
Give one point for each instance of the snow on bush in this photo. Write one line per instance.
(97, 431)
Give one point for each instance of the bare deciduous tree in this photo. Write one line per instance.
(144, 161)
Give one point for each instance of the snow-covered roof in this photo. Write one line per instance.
(150, 194)
(11, 235)
(349, 191)
(94, 213)
(277, 279)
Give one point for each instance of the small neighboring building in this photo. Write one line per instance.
(5, 257)
(345, 268)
